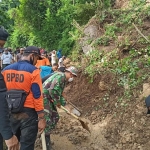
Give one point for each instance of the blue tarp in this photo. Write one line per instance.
(45, 70)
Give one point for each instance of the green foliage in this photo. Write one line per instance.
(4, 12)
(138, 3)
(93, 63)
(4, 15)
(110, 30)
(104, 40)
(48, 23)
(126, 68)
(54, 24)
(84, 12)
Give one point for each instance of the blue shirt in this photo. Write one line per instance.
(59, 55)
(45, 70)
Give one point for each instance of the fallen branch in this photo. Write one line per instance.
(141, 33)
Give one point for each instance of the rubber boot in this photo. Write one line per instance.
(48, 143)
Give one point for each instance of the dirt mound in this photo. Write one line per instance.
(114, 125)
(94, 98)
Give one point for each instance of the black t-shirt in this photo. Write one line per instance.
(46, 77)
(5, 128)
(2, 83)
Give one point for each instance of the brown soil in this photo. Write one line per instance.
(114, 126)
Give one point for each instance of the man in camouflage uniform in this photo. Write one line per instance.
(52, 92)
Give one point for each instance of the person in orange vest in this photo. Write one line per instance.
(43, 62)
(24, 97)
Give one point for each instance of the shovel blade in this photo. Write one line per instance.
(85, 125)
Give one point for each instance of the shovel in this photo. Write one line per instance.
(74, 106)
(84, 124)
(43, 140)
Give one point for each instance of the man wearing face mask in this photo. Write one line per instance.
(52, 92)
(24, 76)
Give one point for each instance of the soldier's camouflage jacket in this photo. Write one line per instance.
(52, 94)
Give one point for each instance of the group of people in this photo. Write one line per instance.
(28, 106)
(7, 57)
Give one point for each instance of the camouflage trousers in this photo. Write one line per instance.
(51, 114)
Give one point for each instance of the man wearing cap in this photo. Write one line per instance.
(5, 128)
(52, 92)
(23, 75)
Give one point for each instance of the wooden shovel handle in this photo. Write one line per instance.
(43, 141)
(69, 112)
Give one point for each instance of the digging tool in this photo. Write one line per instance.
(42, 137)
(84, 124)
(43, 141)
(74, 106)
(64, 95)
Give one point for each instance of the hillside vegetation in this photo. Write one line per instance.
(122, 46)
(109, 42)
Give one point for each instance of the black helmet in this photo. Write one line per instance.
(3, 34)
(33, 49)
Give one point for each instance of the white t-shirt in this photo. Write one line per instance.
(60, 63)
(6, 58)
(53, 58)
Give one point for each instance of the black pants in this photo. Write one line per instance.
(62, 69)
(4, 65)
(25, 127)
(48, 142)
(1, 142)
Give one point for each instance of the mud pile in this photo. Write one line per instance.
(113, 125)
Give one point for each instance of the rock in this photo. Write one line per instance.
(91, 31)
(93, 113)
(146, 89)
(102, 86)
(122, 3)
(90, 34)
(86, 49)
(126, 87)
